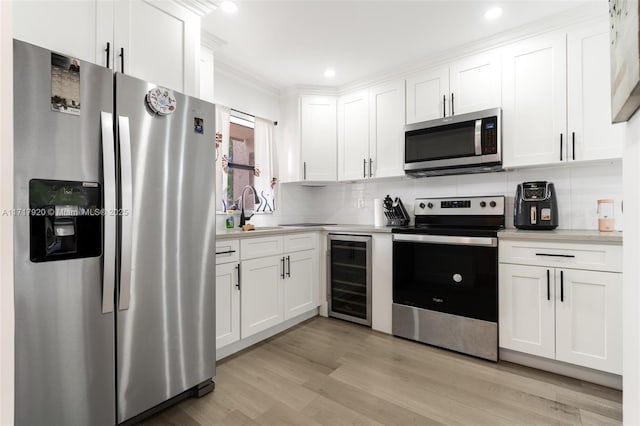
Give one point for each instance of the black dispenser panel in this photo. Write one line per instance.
(65, 220)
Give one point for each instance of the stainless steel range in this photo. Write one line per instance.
(445, 274)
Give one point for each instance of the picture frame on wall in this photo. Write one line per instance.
(625, 58)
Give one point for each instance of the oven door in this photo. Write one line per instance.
(451, 274)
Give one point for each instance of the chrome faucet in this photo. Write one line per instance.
(243, 218)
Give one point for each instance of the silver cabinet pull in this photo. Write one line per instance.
(370, 167)
(304, 171)
(364, 167)
(109, 176)
(126, 179)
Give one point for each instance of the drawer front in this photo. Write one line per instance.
(260, 247)
(227, 251)
(302, 241)
(595, 257)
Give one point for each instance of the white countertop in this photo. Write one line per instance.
(275, 230)
(569, 235)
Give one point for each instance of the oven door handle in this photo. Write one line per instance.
(448, 239)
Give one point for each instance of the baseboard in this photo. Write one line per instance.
(562, 368)
(234, 347)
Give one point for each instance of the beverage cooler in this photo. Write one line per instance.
(349, 278)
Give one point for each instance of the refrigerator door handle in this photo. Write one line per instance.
(109, 188)
(126, 192)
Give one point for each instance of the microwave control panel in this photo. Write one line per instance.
(490, 135)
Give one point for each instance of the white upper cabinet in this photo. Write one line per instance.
(80, 29)
(158, 41)
(557, 99)
(427, 94)
(466, 85)
(371, 132)
(534, 101)
(353, 136)
(318, 138)
(386, 134)
(591, 134)
(475, 83)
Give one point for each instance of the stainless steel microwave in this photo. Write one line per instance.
(465, 143)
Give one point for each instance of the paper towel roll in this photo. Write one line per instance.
(378, 213)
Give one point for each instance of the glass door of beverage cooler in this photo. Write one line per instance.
(350, 278)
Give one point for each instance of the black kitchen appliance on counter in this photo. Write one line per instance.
(536, 206)
(395, 212)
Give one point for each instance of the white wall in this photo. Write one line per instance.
(578, 188)
(631, 293)
(236, 92)
(293, 202)
(6, 223)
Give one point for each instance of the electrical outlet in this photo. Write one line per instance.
(361, 203)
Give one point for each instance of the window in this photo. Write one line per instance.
(243, 157)
(240, 164)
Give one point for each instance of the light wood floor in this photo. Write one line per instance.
(331, 372)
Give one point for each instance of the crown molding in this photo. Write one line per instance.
(211, 41)
(233, 71)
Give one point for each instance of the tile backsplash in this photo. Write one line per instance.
(578, 188)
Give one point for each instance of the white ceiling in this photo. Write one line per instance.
(287, 43)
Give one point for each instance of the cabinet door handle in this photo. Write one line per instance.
(452, 110)
(122, 60)
(370, 168)
(560, 146)
(238, 284)
(573, 144)
(108, 50)
(548, 286)
(562, 286)
(289, 266)
(364, 167)
(304, 171)
(556, 255)
(225, 252)
(282, 262)
(444, 106)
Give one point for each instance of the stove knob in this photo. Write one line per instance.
(422, 205)
(483, 204)
(430, 205)
(492, 204)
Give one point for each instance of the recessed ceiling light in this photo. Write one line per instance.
(493, 13)
(229, 6)
(329, 73)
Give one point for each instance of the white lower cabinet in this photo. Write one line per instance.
(261, 294)
(527, 312)
(301, 283)
(227, 292)
(262, 282)
(227, 304)
(554, 311)
(589, 320)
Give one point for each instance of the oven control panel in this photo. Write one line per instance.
(492, 205)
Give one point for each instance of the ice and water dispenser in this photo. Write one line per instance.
(65, 220)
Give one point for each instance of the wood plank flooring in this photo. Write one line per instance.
(331, 372)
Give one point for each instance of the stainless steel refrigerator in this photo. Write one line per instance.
(114, 251)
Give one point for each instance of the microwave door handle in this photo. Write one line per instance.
(478, 137)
